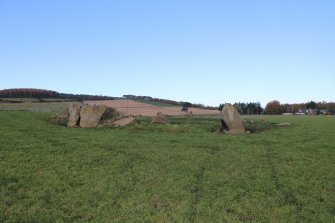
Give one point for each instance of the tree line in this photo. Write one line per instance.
(42, 93)
(250, 108)
(275, 107)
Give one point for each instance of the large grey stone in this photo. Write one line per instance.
(74, 112)
(284, 124)
(90, 116)
(64, 114)
(160, 118)
(109, 117)
(232, 119)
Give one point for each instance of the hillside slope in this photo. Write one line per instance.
(144, 109)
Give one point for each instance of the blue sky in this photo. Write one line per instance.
(199, 51)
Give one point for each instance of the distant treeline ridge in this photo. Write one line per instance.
(41, 93)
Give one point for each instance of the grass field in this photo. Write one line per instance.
(181, 172)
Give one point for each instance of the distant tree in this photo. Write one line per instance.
(311, 105)
(41, 93)
(259, 108)
(185, 107)
(331, 107)
(273, 107)
(251, 108)
(254, 108)
(28, 93)
(285, 108)
(240, 107)
(221, 107)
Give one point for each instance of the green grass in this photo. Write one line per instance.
(181, 172)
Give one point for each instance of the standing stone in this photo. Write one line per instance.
(74, 112)
(232, 119)
(90, 116)
(109, 117)
(160, 118)
(64, 114)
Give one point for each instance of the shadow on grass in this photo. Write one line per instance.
(254, 126)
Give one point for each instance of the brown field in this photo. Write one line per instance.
(137, 108)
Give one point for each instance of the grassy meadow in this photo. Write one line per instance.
(181, 172)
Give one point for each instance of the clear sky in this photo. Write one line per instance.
(186, 50)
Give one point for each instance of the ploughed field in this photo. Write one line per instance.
(144, 109)
(180, 172)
